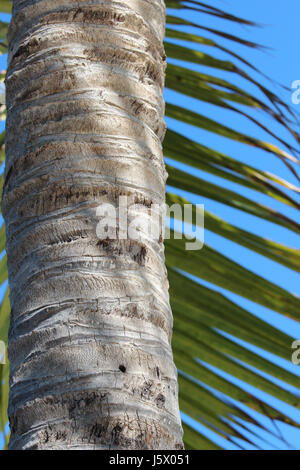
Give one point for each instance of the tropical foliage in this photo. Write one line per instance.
(209, 327)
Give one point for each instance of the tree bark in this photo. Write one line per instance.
(89, 343)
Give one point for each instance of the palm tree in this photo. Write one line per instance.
(90, 357)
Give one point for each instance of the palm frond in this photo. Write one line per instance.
(203, 317)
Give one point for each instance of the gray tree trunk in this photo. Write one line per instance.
(89, 347)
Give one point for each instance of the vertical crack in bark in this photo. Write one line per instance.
(89, 343)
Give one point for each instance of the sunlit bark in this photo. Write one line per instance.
(89, 348)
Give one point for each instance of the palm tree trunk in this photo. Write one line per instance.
(89, 348)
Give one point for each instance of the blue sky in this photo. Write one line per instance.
(281, 33)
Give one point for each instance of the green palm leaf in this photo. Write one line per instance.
(201, 315)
